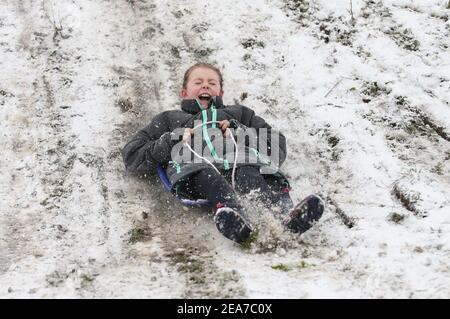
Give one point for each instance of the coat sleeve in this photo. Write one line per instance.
(276, 141)
(149, 147)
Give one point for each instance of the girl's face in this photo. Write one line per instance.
(203, 84)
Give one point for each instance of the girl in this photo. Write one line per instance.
(172, 138)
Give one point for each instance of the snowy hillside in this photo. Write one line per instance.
(360, 88)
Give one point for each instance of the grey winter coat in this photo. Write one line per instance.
(154, 144)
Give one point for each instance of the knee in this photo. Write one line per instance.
(208, 173)
(249, 178)
(248, 172)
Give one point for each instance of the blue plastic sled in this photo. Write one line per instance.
(185, 201)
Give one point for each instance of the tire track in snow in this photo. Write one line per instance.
(85, 231)
(18, 195)
(56, 153)
(109, 49)
(29, 222)
(185, 237)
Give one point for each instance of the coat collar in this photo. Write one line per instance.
(192, 107)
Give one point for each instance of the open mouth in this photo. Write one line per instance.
(204, 97)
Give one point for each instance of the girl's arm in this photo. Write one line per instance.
(252, 120)
(149, 147)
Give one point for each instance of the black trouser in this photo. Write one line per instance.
(214, 187)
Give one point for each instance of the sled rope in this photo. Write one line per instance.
(233, 172)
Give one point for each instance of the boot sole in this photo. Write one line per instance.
(305, 214)
(232, 225)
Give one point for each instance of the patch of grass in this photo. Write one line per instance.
(301, 6)
(401, 100)
(270, 102)
(375, 8)
(408, 200)
(336, 155)
(56, 279)
(192, 266)
(415, 126)
(333, 141)
(252, 43)
(336, 30)
(418, 250)
(299, 9)
(139, 235)
(6, 94)
(186, 262)
(348, 221)
(86, 279)
(374, 89)
(202, 53)
(438, 169)
(404, 39)
(104, 191)
(248, 244)
(179, 256)
(429, 124)
(246, 56)
(396, 218)
(196, 279)
(302, 264)
(420, 123)
(442, 16)
(125, 104)
(282, 267)
(44, 202)
(175, 52)
(181, 13)
(91, 160)
(330, 152)
(398, 138)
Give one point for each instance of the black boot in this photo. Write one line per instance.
(303, 216)
(232, 224)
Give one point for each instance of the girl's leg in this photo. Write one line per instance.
(297, 219)
(213, 187)
(248, 178)
(229, 214)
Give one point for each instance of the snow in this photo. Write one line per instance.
(68, 210)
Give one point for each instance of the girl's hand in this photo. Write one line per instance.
(188, 132)
(224, 125)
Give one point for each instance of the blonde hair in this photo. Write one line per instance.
(201, 65)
